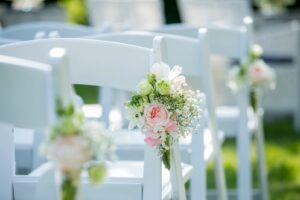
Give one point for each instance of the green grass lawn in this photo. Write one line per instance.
(282, 154)
(283, 161)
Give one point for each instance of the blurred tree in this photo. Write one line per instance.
(76, 11)
(171, 10)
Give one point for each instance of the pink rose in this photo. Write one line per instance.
(261, 73)
(152, 138)
(257, 74)
(156, 115)
(171, 126)
(152, 142)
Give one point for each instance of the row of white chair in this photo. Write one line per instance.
(236, 50)
(81, 52)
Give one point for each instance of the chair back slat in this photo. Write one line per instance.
(190, 61)
(230, 41)
(26, 93)
(91, 62)
(28, 31)
(185, 30)
(198, 12)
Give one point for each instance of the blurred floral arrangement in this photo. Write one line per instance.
(27, 5)
(269, 7)
(76, 11)
(164, 109)
(73, 145)
(253, 72)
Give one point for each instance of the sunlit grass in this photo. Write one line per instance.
(282, 157)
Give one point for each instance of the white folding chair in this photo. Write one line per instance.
(195, 51)
(27, 100)
(27, 158)
(199, 12)
(4, 41)
(134, 180)
(126, 14)
(40, 30)
(234, 42)
(286, 62)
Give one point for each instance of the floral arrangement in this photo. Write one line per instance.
(73, 145)
(273, 6)
(253, 72)
(164, 109)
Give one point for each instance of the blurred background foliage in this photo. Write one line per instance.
(76, 11)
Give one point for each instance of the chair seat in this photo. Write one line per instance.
(228, 117)
(124, 181)
(130, 146)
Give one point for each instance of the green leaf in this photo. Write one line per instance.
(166, 159)
(253, 100)
(68, 189)
(96, 173)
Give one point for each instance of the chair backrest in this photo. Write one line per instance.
(4, 41)
(126, 14)
(200, 12)
(27, 100)
(226, 40)
(91, 61)
(102, 63)
(287, 59)
(26, 97)
(194, 59)
(38, 30)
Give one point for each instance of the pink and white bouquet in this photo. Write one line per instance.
(164, 109)
(73, 145)
(253, 72)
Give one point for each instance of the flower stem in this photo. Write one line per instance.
(253, 99)
(166, 156)
(68, 189)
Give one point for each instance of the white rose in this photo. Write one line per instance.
(161, 70)
(69, 153)
(257, 50)
(261, 74)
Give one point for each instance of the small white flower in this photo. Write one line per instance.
(175, 71)
(136, 118)
(257, 50)
(161, 70)
(99, 139)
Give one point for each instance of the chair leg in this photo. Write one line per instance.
(243, 144)
(7, 155)
(219, 172)
(261, 161)
(178, 190)
(198, 181)
(152, 189)
(297, 109)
